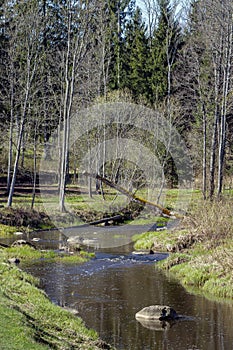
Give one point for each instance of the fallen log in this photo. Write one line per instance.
(116, 218)
(130, 195)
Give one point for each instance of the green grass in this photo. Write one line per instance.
(43, 320)
(15, 335)
(205, 268)
(83, 201)
(6, 230)
(30, 321)
(201, 248)
(201, 270)
(77, 203)
(27, 253)
(159, 240)
(146, 240)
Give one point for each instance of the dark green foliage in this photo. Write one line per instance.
(136, 54)
(166, 42)
(119, 12)
(139, 63)
(167, 68)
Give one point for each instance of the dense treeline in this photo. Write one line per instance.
(57, 56)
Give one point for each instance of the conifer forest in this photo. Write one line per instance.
(60, 56)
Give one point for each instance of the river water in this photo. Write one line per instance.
(108, 290)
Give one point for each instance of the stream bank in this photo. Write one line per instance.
(29, 320)
(110, 289)
(191, 250)
(200, 253)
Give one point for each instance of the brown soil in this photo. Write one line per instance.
(23, 217)
(130, 212)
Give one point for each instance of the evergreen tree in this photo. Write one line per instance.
(120, 12)
(136, 56)
(165, 43)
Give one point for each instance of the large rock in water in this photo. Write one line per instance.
(157, 312)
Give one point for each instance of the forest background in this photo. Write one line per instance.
(57, 57)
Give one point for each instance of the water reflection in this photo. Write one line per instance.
(109, 290)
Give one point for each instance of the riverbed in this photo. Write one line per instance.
(108, 290)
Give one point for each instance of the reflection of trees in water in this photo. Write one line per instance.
(219, 317)
(108, 293)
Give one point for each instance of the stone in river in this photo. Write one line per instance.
(157, 312)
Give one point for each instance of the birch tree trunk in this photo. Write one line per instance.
(171, 51)
(214, 135)
(34, 167)
(18, 149)
(30, 77)
(10, 151)
(26, 27)
(217, 31)
(204, 166)
(226, 86)
(76, 49)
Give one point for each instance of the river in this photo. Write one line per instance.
(108, 290)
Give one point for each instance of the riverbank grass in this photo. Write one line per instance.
(201, 248)
(30, 321)
(203, 269)
(6, 230)
(26, 253)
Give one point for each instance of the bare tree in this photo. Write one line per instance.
(207, 82)
(218, 25)
(24, 39)
(77, 16)
(150, 12)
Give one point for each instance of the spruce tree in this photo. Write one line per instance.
(136, 56)
(165, 44)
(120, 12)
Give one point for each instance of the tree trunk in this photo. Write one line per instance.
(223, 121)
(75, 52)
(34, 171)
(204, 153)
(130, 195)
(10, 151)
(13, 180)
(215, 131)
(66, 121)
